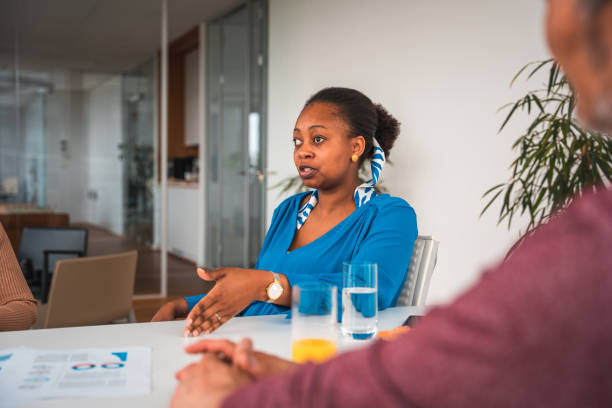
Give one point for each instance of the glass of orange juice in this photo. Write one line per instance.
(314, 327)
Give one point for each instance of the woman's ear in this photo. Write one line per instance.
(358, 145)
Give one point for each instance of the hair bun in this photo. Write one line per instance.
(387, 129)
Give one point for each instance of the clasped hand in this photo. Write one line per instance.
(211, 380)
(234, 290)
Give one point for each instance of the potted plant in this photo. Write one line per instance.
(557, 158)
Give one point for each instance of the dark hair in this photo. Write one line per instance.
(363, 117)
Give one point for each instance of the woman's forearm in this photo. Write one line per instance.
(181, 307)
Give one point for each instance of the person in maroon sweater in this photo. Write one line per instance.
(534, 331)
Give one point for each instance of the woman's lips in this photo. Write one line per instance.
(306, 172)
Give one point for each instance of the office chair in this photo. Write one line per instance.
(422, 264)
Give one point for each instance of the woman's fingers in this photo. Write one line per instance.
(201, 324)
(192, 317)
(216, 321)
(214, 318)
(210, 274)
(200, 312)
(202, 274)
(195, 319)
(207, 319)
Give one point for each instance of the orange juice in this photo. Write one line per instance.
(314, 350)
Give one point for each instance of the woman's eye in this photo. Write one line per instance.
(318, 139)
(297, 142)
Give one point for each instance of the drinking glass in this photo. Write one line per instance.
(314, 329)
(359, 300)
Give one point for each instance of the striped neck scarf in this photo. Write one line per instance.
(363, 193)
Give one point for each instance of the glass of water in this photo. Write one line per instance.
(314, 316)
(359, 300)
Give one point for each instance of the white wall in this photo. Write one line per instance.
(182, 212)
(88, 121)
(443, 69)
(66, 168)
(105, 172)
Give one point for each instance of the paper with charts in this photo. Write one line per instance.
(29, 374)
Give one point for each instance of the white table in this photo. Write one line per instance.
(271, 334)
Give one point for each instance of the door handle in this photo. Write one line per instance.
(261, 175)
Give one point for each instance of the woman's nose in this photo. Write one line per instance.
(304, 152)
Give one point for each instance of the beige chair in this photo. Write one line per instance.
(422, 264)
(92, 290)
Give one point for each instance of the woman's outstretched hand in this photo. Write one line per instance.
(235, 289)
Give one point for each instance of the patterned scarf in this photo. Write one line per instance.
(363, 193)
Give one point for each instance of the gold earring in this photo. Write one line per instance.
(354, 158)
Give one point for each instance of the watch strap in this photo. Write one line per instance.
(277, 280)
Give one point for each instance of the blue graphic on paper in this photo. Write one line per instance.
(5, 357)
(122, 355)
(111, 366)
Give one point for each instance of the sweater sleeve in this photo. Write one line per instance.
(18, 309)
(534, 331)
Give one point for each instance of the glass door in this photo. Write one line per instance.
(137, 152)
(22, 138)
(235, 133)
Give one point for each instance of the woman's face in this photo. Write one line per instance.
(323, 148)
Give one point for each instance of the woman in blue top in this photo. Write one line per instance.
(312, 233)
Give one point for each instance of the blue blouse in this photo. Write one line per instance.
(383, 231)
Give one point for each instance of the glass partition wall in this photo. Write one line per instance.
(81, 140)
(78, 123)
(236, 135)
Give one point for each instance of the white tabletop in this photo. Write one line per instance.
(271, 334)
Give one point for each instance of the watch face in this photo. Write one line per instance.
(274, 291)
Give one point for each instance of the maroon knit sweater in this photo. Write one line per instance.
(535, 331)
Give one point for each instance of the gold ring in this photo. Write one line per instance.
(218, 317)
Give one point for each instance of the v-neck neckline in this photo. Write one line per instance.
(295, 211)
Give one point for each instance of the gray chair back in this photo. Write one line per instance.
(422, 264)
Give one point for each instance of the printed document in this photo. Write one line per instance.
(29, 374)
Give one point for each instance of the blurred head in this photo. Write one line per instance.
(334, 125)
(580, 37)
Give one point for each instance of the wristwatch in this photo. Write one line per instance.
(275, 289)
